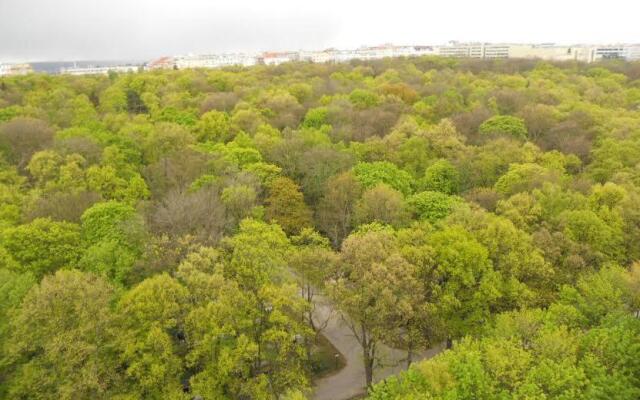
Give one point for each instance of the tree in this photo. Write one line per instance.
(13, 289)
(285, 205)
(504, 125)
(21, 137)
(373, 289)
(371, 174)
(257, 254)
(114, 235)
(468, 285)
(238, 200)
(313, 262)
(215, 126)
(441, 176)
(337, 207)
(381, 204)
(201, 214)
(432, 206)
(43, 246)
(150, 322)
(524, 177)
(61, 340)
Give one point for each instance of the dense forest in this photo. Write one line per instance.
(164, 234)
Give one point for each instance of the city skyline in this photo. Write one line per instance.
(451, 43)
(69, 30)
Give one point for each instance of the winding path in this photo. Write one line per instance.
(349, 381)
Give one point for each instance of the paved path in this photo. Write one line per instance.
(349, 381)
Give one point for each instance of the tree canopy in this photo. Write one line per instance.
(170, 234)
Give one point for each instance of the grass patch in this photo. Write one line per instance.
(323, 358)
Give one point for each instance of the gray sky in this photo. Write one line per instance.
(32, 30)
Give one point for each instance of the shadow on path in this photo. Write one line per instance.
(349, 381)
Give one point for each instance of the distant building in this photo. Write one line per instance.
(15, 69)
(549, 52)
(323, 56)
(99, 70)
(607, 53)
(277, 58)
(632, 52)
(161, 63)
(215, 60)
(365, 53)
(461, 50)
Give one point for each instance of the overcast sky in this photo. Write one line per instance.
(32, 30)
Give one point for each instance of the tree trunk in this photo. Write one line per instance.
(368, 369)
(368, 355)
(409, 355)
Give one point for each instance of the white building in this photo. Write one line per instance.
(324, 56)
(15, 69)
(365, 53)
(277, 58)
(632, 52)
(549, 52)
(99, 70)
(463, 50)
(215, 60)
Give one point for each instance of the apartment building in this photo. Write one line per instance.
(15, 69)
(215, 60)
(99, 70)
(161, 63)
(632, 53)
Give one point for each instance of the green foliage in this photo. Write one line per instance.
(441, 176)
(214, 126)
(371, 174)
(504, 125)
(257, 254)
(114, 235)
(43, 246)
(537, 353)
(171, 230)
(285, 205)
(316, 118)
(363, 98)
(62, 327)
(432, 206)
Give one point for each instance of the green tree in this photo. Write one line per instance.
(285, 205)
(441, 176)
(504, 125)
(257, 254)
(433, 206)
(371, 174)
(114, 235)
(61, 340)
(374, 290)
(381, 204)
(215, 126)
(150, 319)
(337, 207)
(43, 246)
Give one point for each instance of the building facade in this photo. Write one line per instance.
(99, 70)
(15, 69)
